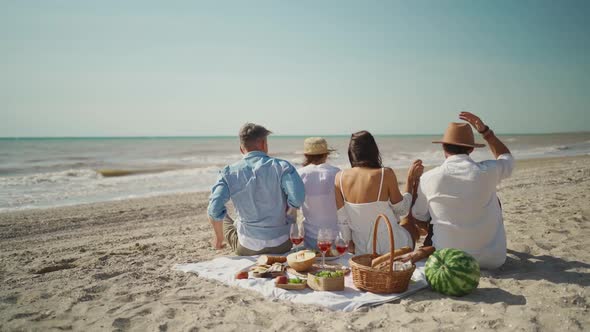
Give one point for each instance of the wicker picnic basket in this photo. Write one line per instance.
(376, 281)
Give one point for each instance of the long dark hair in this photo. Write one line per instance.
(363, 151)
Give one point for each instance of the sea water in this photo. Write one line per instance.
(48, 172)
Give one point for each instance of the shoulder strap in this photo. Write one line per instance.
(342, 188)
(380, 185)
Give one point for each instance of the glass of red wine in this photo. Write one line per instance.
(324, 243)
(341, 244)
(296, 234)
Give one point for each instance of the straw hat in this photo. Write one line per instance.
(459, 134)
(315, 145)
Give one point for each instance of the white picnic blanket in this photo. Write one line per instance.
(224, 269)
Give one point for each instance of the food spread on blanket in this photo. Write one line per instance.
(224, 269)
(326, 278)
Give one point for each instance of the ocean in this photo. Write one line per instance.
(49, 172)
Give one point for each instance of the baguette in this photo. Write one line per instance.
(385, 258)
(413, 256)
(422, 253)
(270, 260)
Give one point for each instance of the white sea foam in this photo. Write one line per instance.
(85, 186)
(66, 176)
(45, 173)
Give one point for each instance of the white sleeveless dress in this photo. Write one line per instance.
(356, 221)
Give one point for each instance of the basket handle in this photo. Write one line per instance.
(391, 241)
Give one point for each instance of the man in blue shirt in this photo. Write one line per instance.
(261, 188)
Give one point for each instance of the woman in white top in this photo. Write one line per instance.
(367, 190)
(319, 208)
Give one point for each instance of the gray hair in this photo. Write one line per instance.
(251, 133)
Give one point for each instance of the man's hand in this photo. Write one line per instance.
(498, 148)
(473, 120)
(217, 244)
(217, 226)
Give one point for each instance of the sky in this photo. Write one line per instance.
(201, 68)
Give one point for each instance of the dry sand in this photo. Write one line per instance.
(108, 266)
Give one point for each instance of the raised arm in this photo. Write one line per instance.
(498, 148)
(414, 173)
(401, 204)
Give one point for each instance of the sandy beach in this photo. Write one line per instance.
(108, 266)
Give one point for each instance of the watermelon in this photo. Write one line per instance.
(452, 272)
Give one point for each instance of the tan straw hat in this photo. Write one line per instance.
(459, 134)
(315, 145)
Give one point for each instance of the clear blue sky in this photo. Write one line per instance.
(111, 68)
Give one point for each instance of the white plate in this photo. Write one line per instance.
(319, 257)
(331, 258)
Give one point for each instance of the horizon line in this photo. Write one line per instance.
(278, 136)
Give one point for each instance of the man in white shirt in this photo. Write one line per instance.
(459, 197)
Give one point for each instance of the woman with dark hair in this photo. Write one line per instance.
(369, 189)
(319, 208)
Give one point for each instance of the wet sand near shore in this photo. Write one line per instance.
(108, 266)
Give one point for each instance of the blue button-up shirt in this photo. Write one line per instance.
(260, 188)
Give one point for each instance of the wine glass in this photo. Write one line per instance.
(324, 243)
(341, 244)
(296, 234)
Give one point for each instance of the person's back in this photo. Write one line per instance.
(362, 212)
(465, 210)
(261, 188)
(256, 191)
(368, 190)
(460, 198)
(319, 208)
